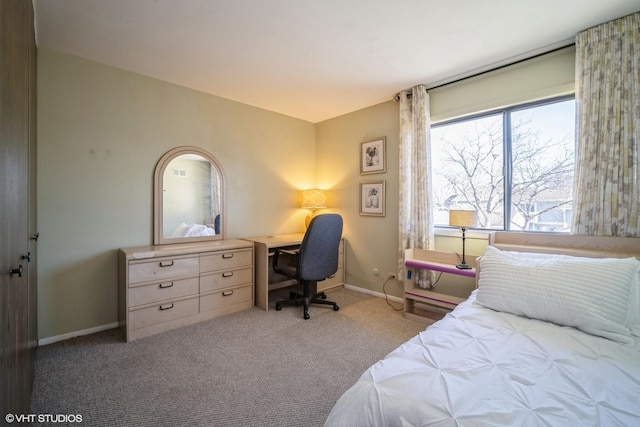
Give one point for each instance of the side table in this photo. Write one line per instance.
(422, 259)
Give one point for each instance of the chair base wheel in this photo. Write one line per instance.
(306, 300)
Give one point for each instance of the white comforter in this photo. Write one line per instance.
(479, 367)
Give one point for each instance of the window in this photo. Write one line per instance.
(514, 166)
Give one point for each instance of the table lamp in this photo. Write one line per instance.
(463, 219)
(313, 199)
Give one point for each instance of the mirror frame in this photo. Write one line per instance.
(158, 174)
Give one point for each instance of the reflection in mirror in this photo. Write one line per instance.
(188, 197)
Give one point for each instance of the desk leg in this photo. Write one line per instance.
(262, 276)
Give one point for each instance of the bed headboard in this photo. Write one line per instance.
(587, 246)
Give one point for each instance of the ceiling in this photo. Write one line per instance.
(313, 59)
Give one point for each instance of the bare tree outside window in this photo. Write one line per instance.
(470, 170)
(543, 147)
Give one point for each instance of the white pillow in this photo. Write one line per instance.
(634, 311)
(196, 230)
(590, 294)
(180, 230)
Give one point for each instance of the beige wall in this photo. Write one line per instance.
(100, 133)
(371, 241)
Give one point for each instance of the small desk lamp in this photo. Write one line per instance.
(463, 219)
(313, 199)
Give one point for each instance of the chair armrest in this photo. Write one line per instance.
(287, 251)
(287, 271)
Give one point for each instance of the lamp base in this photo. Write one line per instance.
(464, 266)
(308, 218)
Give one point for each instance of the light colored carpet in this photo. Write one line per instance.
(252, 368)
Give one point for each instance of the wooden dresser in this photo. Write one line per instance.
(169, 286)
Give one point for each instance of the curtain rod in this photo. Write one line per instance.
(396, 98)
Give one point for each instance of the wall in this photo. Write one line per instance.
(101, 131)
(371, 241)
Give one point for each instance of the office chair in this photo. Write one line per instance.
(315, 260)
(216, 224)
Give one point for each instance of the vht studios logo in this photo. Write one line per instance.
(43, 418)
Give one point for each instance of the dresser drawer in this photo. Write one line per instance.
(225, 279)
(162, 268)
(225, 260)
(147, 294)
(242, 296)
(139, 318)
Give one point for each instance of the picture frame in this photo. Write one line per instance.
(373, 156)
(372, 198)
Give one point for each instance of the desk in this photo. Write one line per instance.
(267, 280)
(445, 262)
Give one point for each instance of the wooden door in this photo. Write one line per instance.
(17, 125)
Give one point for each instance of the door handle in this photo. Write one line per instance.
(27, 257)
(17, 271)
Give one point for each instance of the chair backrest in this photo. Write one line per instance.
(318, 257)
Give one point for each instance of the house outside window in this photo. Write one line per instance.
(514, 166)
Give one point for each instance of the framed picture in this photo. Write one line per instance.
(373, 157)
(372, 198)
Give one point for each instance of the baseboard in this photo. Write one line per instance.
(56, 338)
(374, 293)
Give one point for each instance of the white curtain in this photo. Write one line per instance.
(607, 182)
(415, 216)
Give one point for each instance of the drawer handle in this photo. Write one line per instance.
(227, 293)
(166, 285)
(227, 274)
(227, 256)
(166, 264)
(166, 307)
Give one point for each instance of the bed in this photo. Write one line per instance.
(550, 337)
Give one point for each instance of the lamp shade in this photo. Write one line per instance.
(314, 199)
(463, 218)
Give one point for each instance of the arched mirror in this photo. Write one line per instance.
(189, 197)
